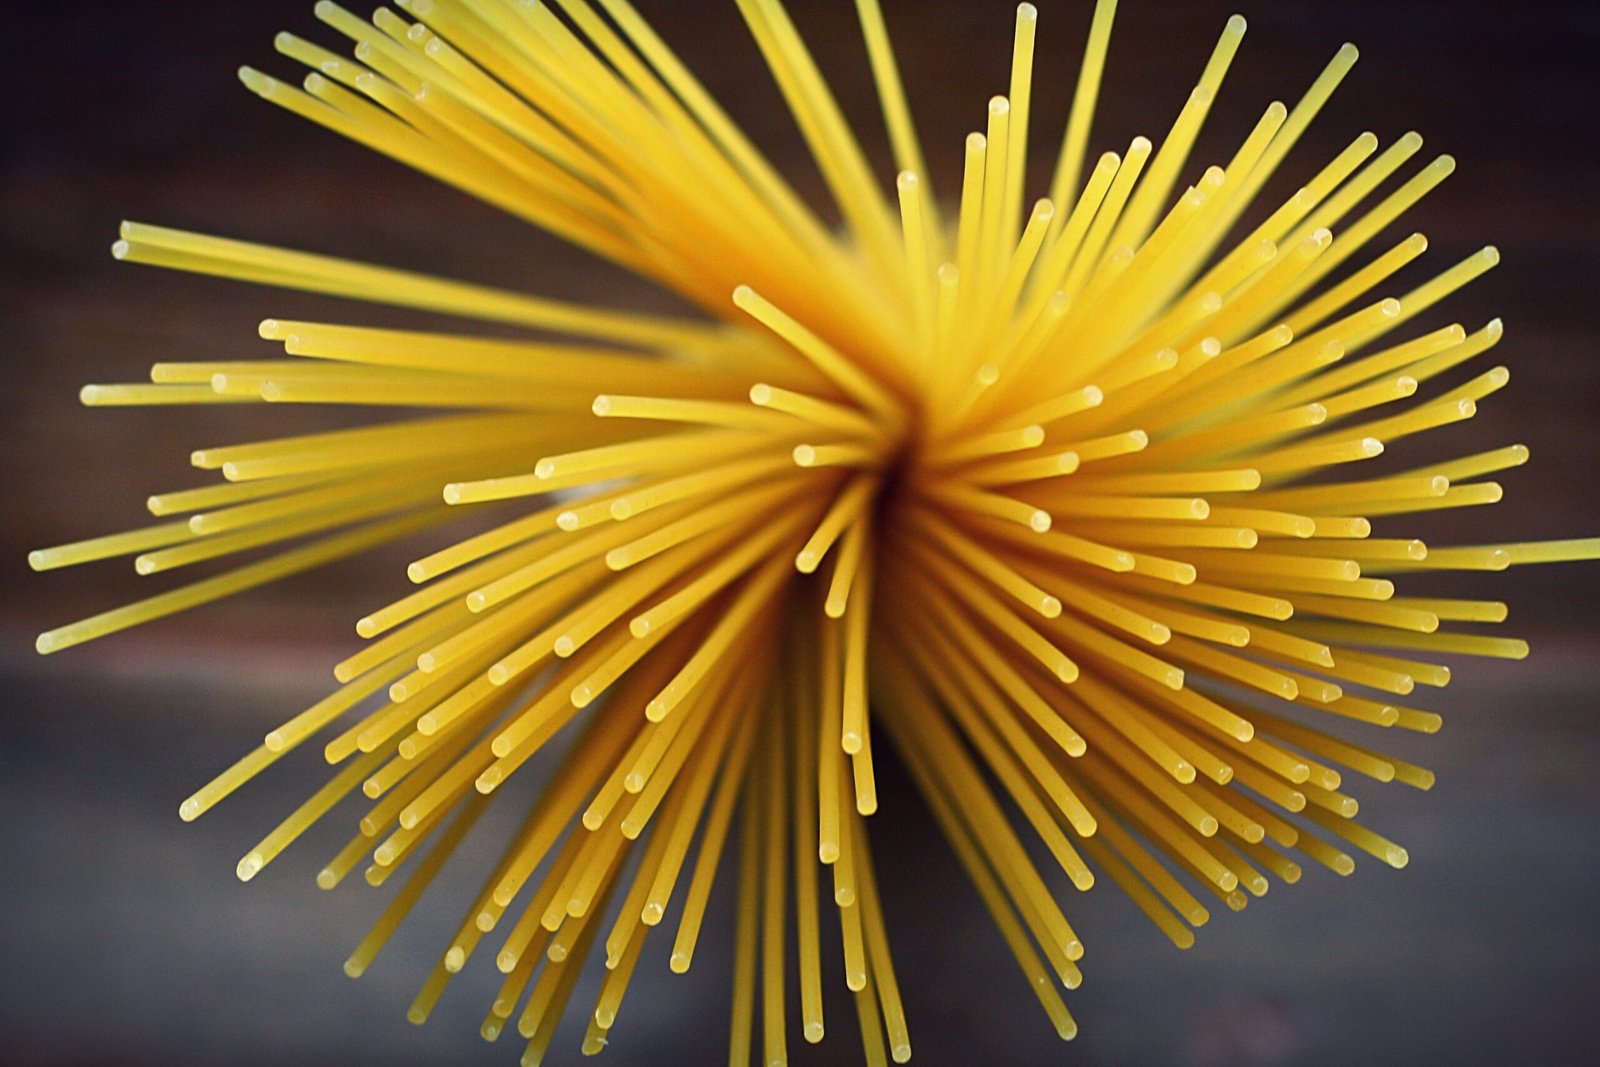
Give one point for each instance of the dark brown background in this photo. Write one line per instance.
(126, 937)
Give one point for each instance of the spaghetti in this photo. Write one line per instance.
(1069, 502)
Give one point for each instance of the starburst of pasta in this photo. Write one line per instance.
(1068, 501)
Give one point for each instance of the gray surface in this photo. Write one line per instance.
(128, 940)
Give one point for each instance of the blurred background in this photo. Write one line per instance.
(125, 935)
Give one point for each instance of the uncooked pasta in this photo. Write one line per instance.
(1092, 507)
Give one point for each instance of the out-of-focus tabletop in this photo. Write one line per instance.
(126, 936)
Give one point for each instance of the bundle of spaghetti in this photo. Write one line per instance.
(1075, 500)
